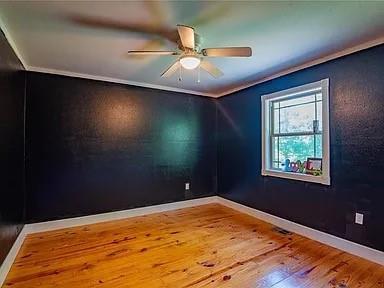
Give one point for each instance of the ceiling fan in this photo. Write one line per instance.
(192, 57)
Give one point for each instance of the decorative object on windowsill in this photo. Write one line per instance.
(294, 166)
(287, 167)
(301, 166)
(314, 166)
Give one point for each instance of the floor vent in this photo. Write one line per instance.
(282, 231)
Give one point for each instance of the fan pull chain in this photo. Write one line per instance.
(180, 78)
(198, 74)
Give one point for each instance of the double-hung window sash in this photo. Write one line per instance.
(295, 128)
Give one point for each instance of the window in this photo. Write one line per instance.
(295, 125)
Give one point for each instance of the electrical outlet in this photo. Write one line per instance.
(359, 218)
(186, 186)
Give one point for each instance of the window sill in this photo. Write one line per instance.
(297, 176)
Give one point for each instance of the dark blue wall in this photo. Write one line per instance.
(357, 151)
(95, 147)
(12, 92)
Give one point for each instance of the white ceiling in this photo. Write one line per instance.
(283, 35)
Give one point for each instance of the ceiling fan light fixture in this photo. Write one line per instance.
(190, 62)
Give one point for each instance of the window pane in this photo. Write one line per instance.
(276, 121)
(296, 148)
(319, 146)
(275, 104)
(297, 101)
(297, 118)
(275, 152)
(319, 108)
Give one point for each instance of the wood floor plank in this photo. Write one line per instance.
(204, 246)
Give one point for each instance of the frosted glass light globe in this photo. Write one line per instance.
(189, 62)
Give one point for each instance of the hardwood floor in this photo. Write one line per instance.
(205, 246)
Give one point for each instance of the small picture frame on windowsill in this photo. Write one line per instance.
(314, 166)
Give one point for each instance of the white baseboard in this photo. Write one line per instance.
(328, 239)
(110, 216)
(92, 219)
(11, 256)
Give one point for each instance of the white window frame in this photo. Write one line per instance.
(266, 170)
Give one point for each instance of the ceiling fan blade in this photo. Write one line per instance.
(157, 11)
(213, 12)
(171, 69)
(211, 69)
(110, 24)
(228, 52)
(150, 45)
(187, 36)
(148, 53)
